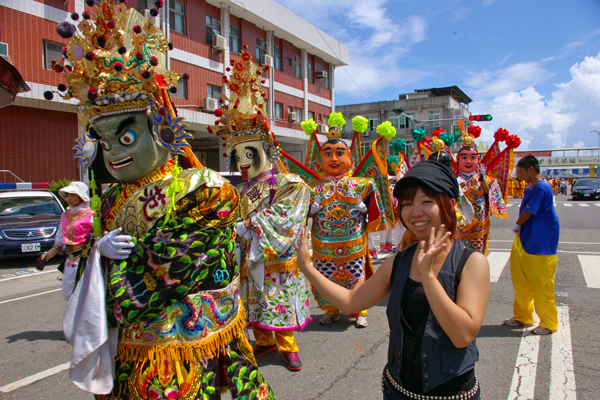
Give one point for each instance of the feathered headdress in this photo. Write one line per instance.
(115, 65)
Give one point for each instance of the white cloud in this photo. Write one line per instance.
(563, 120)
(513, 78)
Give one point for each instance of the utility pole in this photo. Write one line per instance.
(598, 163)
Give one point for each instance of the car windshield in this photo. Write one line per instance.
(587, 182)
(13, 206)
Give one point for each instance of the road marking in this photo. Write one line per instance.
(32, 295)
(568, 205)
(497, 261)
(593, 253)
(597, 204)
(591, 272)
(584, 205)
(512, 240)
(509, 205)
(523, 381)
(34, 378)
(25, 276)
(562, 375)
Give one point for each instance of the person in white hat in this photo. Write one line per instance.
(75, 227)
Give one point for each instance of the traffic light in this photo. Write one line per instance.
(482, 117)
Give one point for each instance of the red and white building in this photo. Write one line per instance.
(37, 136)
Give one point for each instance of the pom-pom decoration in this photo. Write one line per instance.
(140, 56)
(118, 66)
(447, 137)
(501, 135)
(153, 61)
(146, 74)
(154, 12)
(86, 15)
(309, 126)
(159, 3)
(110, 24)
(122, 50)
(58, 68)
(48, 95)
(185, 76)
(391, 161)
(336, 119)
(61, 87)
(474, 131)
(360, 124)
(90, 56)
(399, 145)
(137, 29)
(74, 16)
(171, 47)
(419, 134)
(387, 130)
(173, 89)
(426, 140)
(65, 30)
(513, 141)
(90, 3)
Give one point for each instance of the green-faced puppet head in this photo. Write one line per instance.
(129, 147)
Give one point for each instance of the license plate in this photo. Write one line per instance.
(28, 247)
(586, 195)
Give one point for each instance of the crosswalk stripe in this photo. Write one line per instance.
(509, 205)
(568, 205)
(591, 272)
(597, 204)
(497, 261)
(523, 380)
(562, 375)
(584, 205)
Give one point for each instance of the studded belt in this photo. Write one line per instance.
(417, 396)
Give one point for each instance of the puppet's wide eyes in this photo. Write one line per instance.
(249, 155)
(128, 138)
(238, 157)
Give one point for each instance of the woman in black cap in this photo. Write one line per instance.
(438, 294)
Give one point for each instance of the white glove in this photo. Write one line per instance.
(115, 246)
(243, 231)
(361, 206)
(316, 206)
(481, 170)
(516, 228)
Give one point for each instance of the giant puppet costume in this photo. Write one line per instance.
(157, 312)
(273, 210)
(345, 209)
(482, 191)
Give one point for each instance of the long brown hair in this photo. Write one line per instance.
(444, 202)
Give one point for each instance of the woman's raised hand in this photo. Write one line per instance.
(436, 243)
(303, 255)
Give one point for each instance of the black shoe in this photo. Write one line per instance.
(260, 351)
(292, 361)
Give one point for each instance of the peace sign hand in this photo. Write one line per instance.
(429, 249)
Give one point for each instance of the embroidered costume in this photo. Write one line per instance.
(157, 312)
(273, 211)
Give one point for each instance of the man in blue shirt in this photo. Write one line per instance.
(533, 256)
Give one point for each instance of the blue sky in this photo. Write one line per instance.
(533, 64)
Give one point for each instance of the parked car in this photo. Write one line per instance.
(586, 188)
(29, 221)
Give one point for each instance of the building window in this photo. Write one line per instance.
(290, 110)
(365, 147)
(234, 40)
(177, 16)
(299, 114)
(297, 67)
(373, 122)
(277, 57)
(52, 51)
(319, 118)
(214, 92)
(311, 73)
(181, 89)
(409, 123)
(311, 115)
(278, 110)
(213, 28)
(399, 121)
(434, 115)
(142, 5)
(326, 82)
(261, 49)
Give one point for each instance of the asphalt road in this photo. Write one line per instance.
(342, 362)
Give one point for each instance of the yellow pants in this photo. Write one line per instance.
(533, 281)
(286, 343)
(336, 312)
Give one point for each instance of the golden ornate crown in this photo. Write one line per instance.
(114, 65)
(244, 117)
(473, 132)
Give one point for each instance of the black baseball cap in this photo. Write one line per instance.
(431, 174)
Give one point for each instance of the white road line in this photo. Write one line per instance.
(497, 261)
(584, 205)
(591, 272)
(568, 205)
(25, 276)
(562, 375)
(523, 381)
(32, 295)
(512, 240)
(509, 205)
(34, 378)
(597, 204)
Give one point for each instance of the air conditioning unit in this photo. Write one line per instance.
(266, 60)
(4, 49)
(209, 104)
(366, 134)
(322, 74)
(322, 129)
(219, 43)
(292, 117)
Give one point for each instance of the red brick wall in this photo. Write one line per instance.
(36, 145)
(197, 84)
(318, 88)
(286, 76)
(319, 109)
(289, 101)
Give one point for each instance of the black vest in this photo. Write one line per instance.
(440, 359)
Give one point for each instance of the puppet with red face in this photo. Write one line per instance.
(340, 221)
(482, 191)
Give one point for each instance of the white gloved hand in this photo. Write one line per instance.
(481, 170)
(516, 228)
(243, 231)
(316, 206)
(115, 246)
(361, 206)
